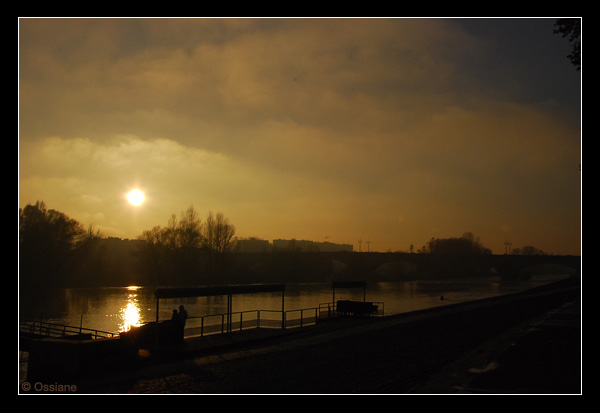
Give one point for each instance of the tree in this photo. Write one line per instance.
(571, 28)
(189, 230)
(48, 245)
(172, 254)
(218, 234)
(183, 234)
(528, 250)
(153, 251)
(467, 244)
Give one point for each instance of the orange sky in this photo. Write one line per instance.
(388, 130)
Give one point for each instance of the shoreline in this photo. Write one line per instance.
(426, 351)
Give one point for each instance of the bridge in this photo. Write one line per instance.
(402, 265)
(373, 266)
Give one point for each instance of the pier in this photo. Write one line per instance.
(58, 351)
(169, 332)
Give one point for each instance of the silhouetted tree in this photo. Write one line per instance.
(528, 250)
(87, 263)
(571, 28)
(172, 254)
(50, 245)
(187, 255)
(189, 230)
(467, 244)
(218, 234)
(181, 251)
(153, 251)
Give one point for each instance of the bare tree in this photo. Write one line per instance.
(218, 233)
(189, 229)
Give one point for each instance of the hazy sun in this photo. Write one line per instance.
(135, 197)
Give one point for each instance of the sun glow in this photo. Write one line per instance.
(135, 197)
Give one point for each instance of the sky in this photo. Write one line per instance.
(388, 130)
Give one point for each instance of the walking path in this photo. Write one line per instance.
(538, 356)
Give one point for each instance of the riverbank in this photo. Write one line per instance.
(463, 348)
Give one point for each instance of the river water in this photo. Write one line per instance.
(116, 309)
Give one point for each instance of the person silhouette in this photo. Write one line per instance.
(178, 324)
(182, 314)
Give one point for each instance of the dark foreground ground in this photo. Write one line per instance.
(523, 343)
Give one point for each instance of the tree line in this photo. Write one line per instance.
(51, 247)
(58, 251)
(467, 244)
(187, 248)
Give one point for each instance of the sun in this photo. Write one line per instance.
(135, 197)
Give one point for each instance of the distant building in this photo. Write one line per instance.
(294, 245)
(332, 247)
(253, 245)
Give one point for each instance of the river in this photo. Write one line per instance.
(116, 309)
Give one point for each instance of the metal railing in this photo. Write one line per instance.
(39, 328)
(218, 323)
(206, 325)
(242, 320)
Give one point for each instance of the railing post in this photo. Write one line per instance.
(157, 304)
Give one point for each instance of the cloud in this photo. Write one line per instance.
(323, 72)
(293, 127)
(89, 179)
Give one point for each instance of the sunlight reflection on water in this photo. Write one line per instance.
(130, 314)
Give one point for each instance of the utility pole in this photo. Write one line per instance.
(369, 246)
(507, 245)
